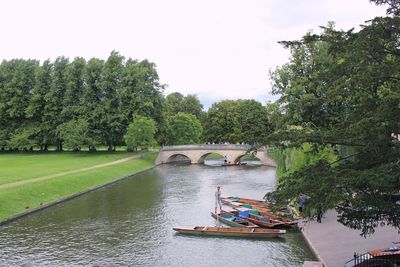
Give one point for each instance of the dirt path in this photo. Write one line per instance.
(51, 176)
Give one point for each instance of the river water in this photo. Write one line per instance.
(130, 224)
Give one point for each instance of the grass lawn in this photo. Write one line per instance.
(21, 166)
(25, 197)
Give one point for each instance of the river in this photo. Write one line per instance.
(130, 224)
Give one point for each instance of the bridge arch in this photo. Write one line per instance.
(203, 157)
(240, 158)
(175, 156)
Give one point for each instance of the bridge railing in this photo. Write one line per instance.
(207, 147)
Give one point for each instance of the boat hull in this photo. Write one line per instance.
(230, 232)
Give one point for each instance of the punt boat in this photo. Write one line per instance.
(259, 220)
(231, 220)
(230, 232)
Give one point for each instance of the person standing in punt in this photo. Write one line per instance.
(218, 199)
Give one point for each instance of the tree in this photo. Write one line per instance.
(340, 89)
(21, 140)
(92, 111)
(140, 133)
(176, 102)
(237, 121)
(37, 103)
(111, 121)
(141, 93)
(173, 103)
(222, 123)
(74, 78)
(17, 80)
(54, 103)
(183, 129)
(75, 134)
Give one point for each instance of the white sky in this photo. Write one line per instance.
(217, 49)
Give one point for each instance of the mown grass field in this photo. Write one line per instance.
(15, 167)
(21, 166)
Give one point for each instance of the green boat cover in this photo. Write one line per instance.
(247, 206)
(255, 212)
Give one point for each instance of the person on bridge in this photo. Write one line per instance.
(218, 199)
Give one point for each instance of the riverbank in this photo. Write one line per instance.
(29, 182)
(334, 244)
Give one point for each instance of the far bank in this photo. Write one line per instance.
(41, 186)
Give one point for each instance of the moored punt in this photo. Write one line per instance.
(264, 212)
(258, 220)
(393, 250)
(247, 201)
(272, 216)
(230, 232)
(231, 220)
(265, 221)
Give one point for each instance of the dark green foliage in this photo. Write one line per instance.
(176, 102)
(76, 103)
(341, 90)
(183, 129)
(17, 81)
(237, 121)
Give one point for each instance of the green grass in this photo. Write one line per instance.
(29, 196)
(21, 166)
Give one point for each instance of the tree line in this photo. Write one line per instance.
(77, 104)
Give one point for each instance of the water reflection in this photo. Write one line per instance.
(130, 223)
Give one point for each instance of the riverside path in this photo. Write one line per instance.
(334, 244)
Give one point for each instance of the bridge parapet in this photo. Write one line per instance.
(197, 153)
(210, 147)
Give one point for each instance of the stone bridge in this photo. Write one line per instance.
(197, 153)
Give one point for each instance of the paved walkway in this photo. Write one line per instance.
(51, 176)
(335, 244)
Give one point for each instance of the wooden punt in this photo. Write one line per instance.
(272, 216)
(230, 232)
(247, 201)
(265, 212)
(265, 221)
(391, 251)
(261, 221)
(233, 221)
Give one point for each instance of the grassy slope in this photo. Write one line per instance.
(17, 200)
(21, 166)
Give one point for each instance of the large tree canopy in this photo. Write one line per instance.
(183, 129)
(237, 121)
(342, 89)
(176, 102)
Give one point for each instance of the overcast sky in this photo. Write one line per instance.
(216, 49)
